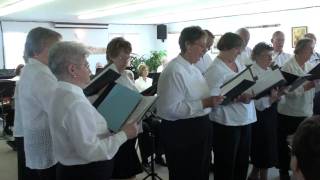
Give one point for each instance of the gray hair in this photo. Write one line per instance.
(38, 39)
(64, 53)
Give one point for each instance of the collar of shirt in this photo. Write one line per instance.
(258, 70)
(71, 87)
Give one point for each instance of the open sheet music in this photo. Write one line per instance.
(237, 85)
(269, 80)
(118, 104)
(296, 81)
(106, 76)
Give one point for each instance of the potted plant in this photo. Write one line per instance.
(136, 61)
(155, 60)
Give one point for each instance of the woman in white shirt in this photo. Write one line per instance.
(126, 161)
(82, 143)
(231, 122)
(183, 104)
(264, 131)
(296, 105)
(143, 82)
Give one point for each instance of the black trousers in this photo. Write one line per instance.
(287, 125)
(100, 170)
(187, 145)
(231, 147)
(316, 104)
(24, 173)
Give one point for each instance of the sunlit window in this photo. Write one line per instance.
(13, 48)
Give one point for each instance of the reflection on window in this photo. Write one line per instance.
(13, 48)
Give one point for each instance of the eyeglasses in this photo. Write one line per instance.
(85, 64)
(124, 58)
(204, 46)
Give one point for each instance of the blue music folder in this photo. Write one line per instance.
(118, 105)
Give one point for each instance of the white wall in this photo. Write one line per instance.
(146, 40)
(287, 20)
(15, 34)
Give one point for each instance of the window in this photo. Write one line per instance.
(13, 48)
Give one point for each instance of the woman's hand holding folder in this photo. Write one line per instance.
(131, 130)
(244, 98)
(212, 101)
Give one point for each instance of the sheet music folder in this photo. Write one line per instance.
(237, 85)
(118, 104)
(265, 83)
(101, 80)
(296, 81)
(152, 90)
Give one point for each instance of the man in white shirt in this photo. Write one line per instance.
(35, 87)
(278, 56)
(206, 60)
(244, 58)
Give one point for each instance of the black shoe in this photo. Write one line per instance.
(160, 161)
(12, 144)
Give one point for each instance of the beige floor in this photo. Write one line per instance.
(8, 166)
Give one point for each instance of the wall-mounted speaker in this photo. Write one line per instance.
(162, 32)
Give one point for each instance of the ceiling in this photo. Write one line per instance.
(168, 11)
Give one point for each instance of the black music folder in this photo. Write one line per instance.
(101, 80)
(119, 105)
(150, 91)
(237, 85)
(264, 84)
(296, 81)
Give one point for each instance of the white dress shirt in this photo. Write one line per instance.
(80, 134)
(232, 114)
(18, 126)
(314, 59)
(244, 58)
(204, 63)
(35, 88)
(124, 79)
(264, 102)
(298, 103)
(280, 58)
(142, 84)
(181, 88)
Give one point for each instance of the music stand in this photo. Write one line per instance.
(152, 174)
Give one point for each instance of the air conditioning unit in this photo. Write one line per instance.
(80, 25)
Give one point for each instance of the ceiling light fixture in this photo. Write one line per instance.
(20, 5)
(127, 8)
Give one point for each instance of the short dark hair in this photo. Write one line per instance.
(302, 44)
(116, 45)
(190, 34)
(228, 41)
(306, 147)
(37, 39)
(259, 48)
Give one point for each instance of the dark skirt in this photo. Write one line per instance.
(100, 170)
(126, 161)
(264, 138)
(187, 147)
